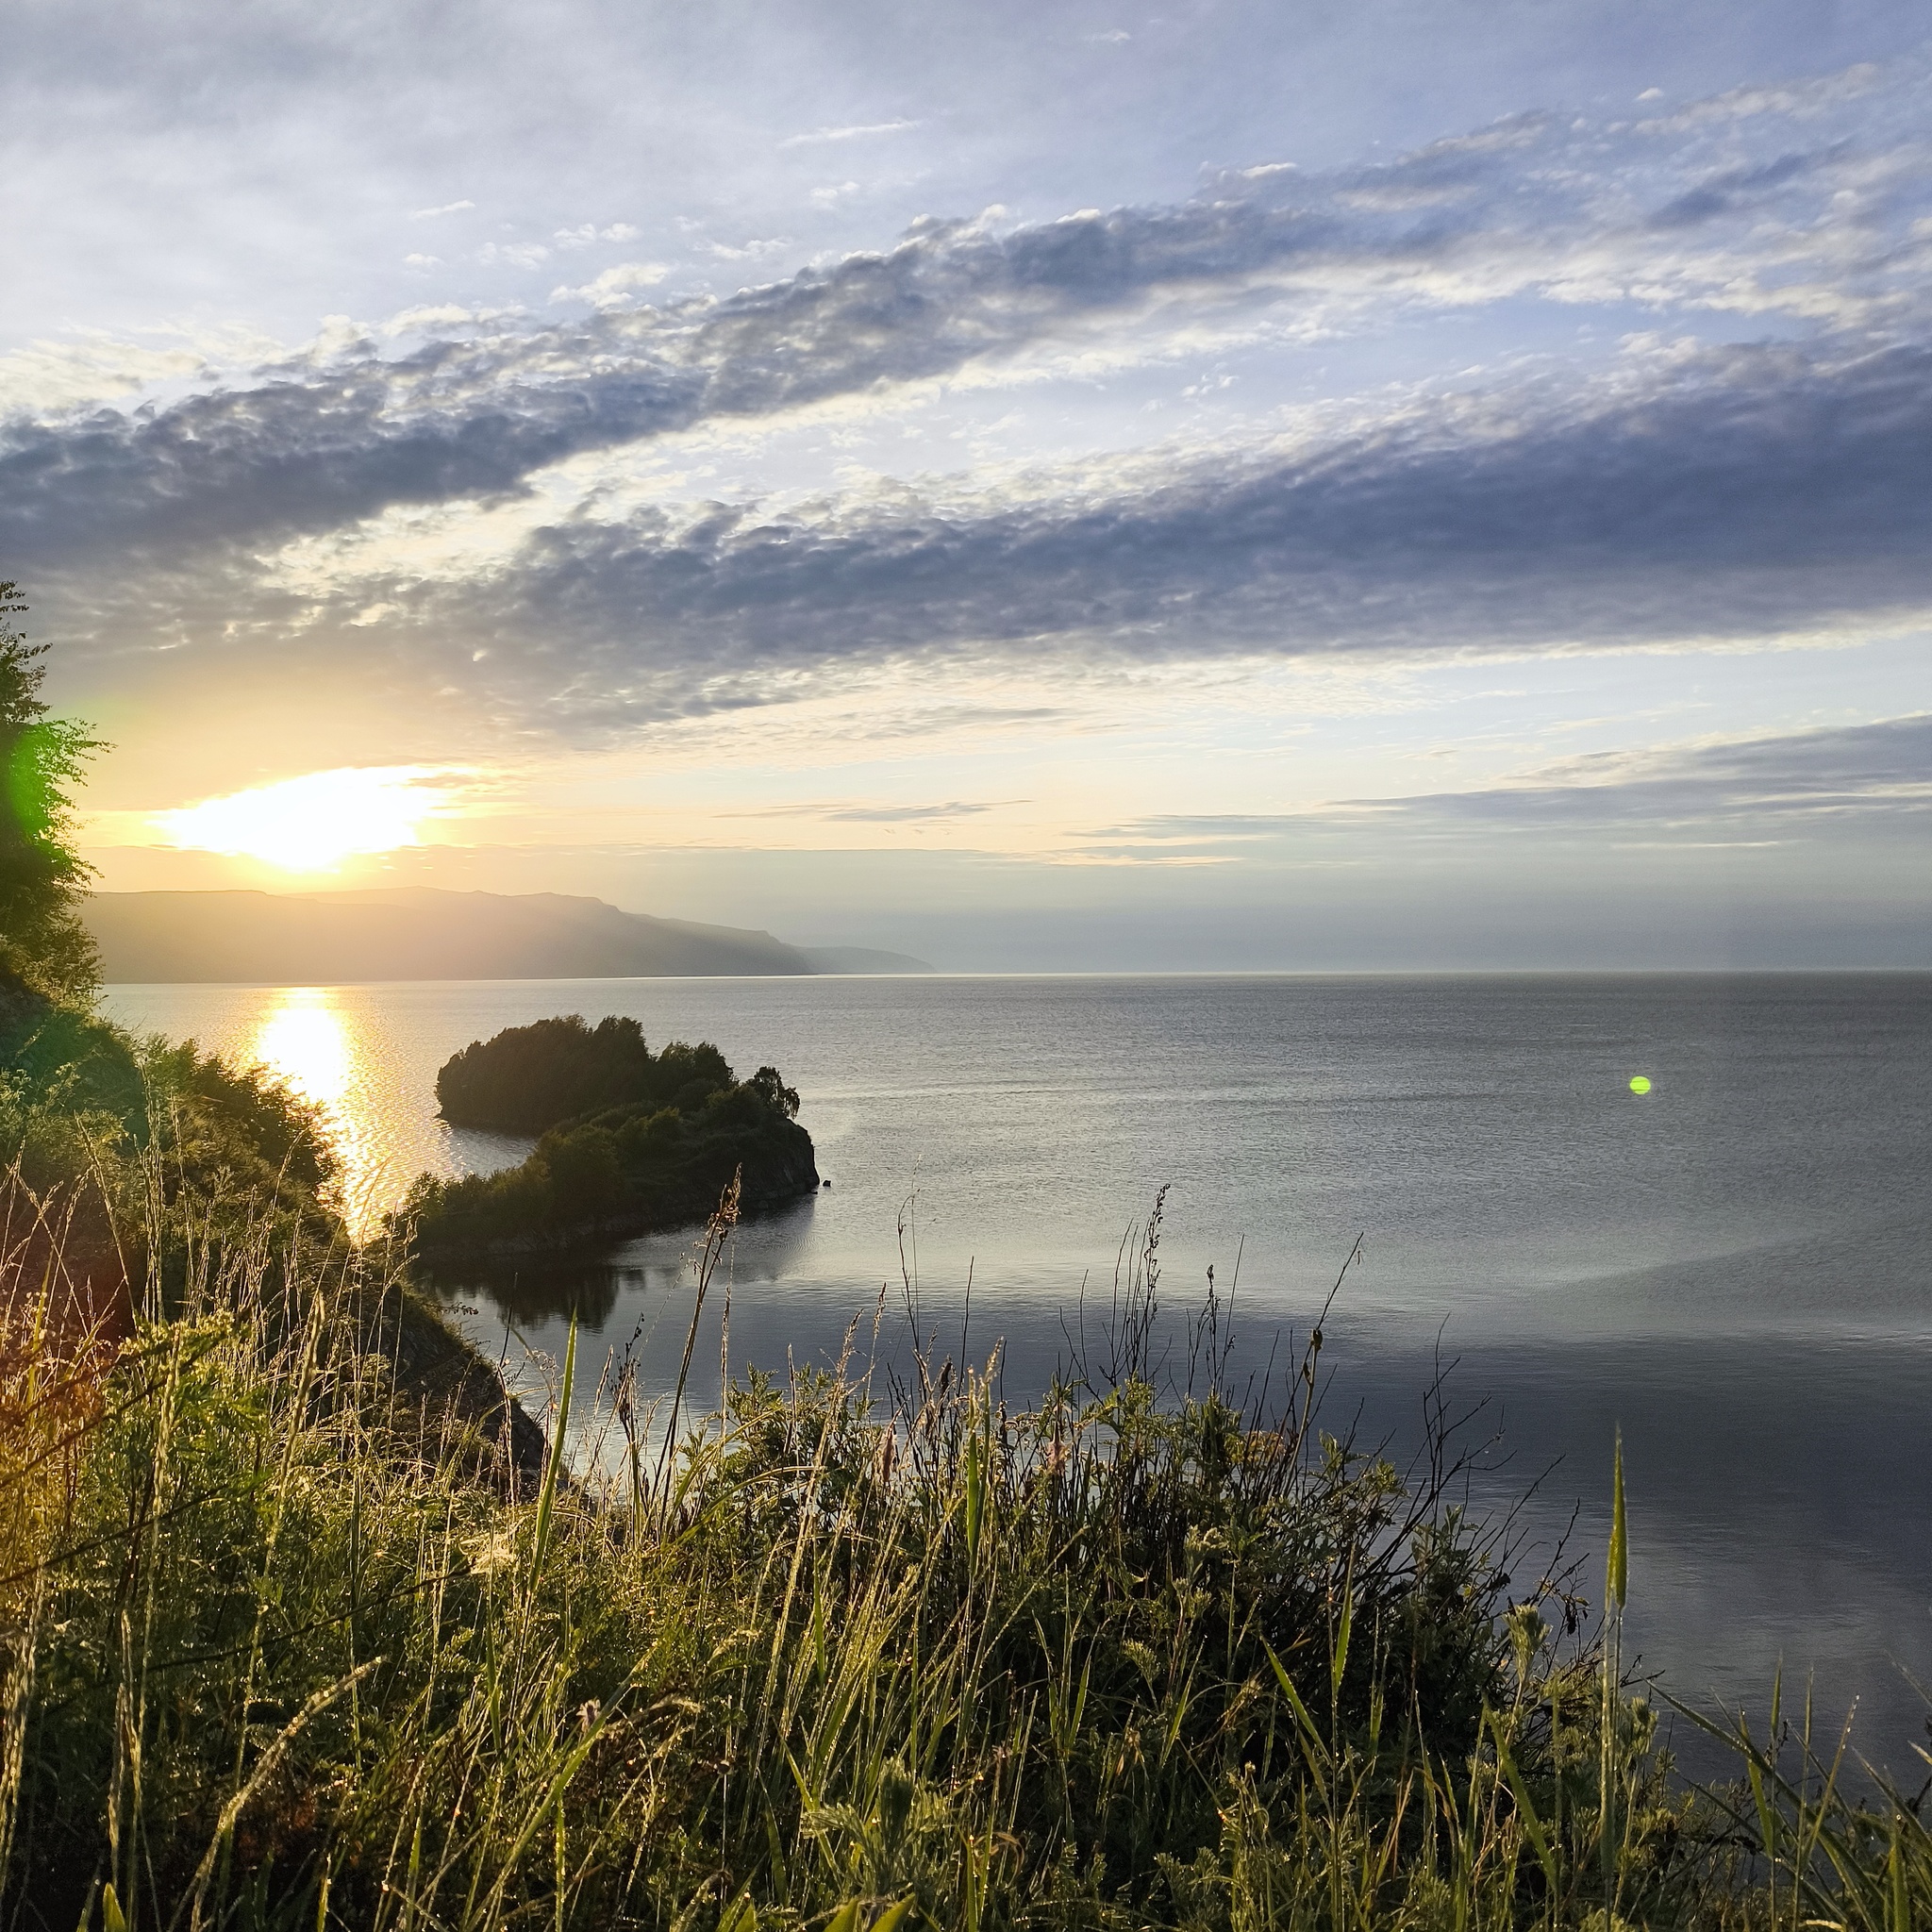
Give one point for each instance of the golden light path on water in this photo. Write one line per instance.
(365, 1056)
(307, 1045)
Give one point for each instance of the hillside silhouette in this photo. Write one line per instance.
(415, 932)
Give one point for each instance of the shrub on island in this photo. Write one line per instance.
(631, 1140)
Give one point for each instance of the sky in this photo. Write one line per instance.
(1242, 486)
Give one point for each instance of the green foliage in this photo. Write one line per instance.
(662, 1156)
(43, 945)
(155, 1163)
(57, 1057)
(246, 1120)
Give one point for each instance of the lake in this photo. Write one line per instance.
(1734, 1267)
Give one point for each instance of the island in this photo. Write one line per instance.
(631, 1140)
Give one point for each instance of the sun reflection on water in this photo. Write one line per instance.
(304, 1044)
(308, 1045)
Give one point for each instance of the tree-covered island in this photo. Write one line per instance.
(631, 1140)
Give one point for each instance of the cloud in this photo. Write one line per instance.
(752, 250)
(1690, 489)
(1216, 828)
(1787, 785)
(427, 316)
(616, 286)
(835, 812)
(448, 207)
(53, 377)
(899, 814)
(822, 136)
(585, 233)
(1524, 208)
(1727, 493)
(517, 254)
(1740, 791)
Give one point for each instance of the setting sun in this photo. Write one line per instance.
(313, 823)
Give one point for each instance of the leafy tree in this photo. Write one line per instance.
(769, 1084)
(42, 942)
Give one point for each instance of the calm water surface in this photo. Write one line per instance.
(1735, 1267)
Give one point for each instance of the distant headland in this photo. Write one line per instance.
(420, 932)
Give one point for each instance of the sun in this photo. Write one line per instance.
(312, 824)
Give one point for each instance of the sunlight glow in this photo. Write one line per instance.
(312, 1046)
(303, 1043)
(313, 823)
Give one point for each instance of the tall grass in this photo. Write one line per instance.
(288, 1644)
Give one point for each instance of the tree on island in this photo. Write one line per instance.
(43, 945)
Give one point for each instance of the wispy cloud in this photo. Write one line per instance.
(824, 137)
(1752, 790)
(1665, 505)
(50, 378)
(448, 207)
(755, 249)
(901, 814)
(1781, 785)
(516, 254)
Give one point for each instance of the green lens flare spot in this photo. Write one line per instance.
(1640, 1083)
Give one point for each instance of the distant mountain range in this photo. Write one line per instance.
(417, 932)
